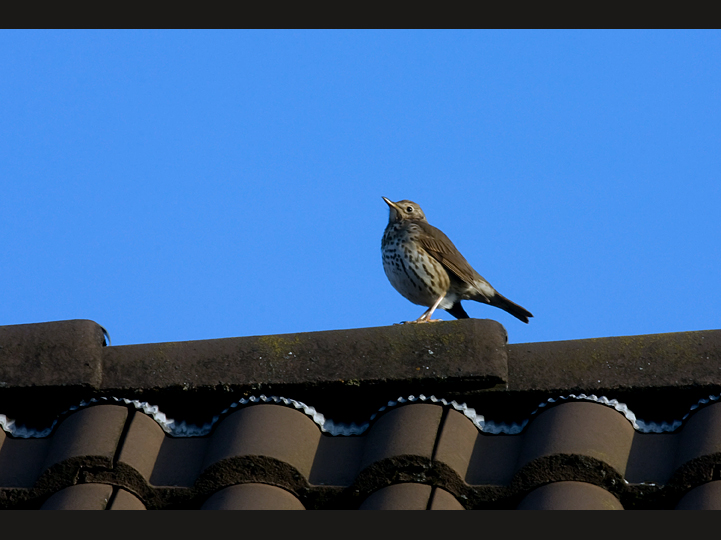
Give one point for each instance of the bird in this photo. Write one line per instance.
(426, 268)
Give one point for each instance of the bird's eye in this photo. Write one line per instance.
(409, 209)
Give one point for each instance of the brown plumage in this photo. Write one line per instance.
(425, 267)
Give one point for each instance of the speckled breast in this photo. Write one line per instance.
(410, 269)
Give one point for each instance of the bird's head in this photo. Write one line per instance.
(404, 211)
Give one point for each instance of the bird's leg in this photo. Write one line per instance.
(426, 317)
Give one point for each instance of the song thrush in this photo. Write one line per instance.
(425, 267)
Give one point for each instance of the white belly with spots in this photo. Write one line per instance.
(415, 275)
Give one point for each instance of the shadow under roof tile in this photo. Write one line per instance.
(701, 436)
(178, 461)
(442, 500)
(271, 431)
(399, 497)
(124, 500)
(336, 461)
(651, 459)
(704, 497)
(579, 428)
(252, 497)
(570, 496)
(494, 459)
(407, 430)
(80, 497)
(141, 444)
(21, 461)
(91, 433)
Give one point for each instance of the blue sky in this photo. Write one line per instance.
(185, 185)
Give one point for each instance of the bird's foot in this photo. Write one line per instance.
(420, 321)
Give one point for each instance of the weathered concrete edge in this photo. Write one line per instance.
(69, 355)
(58, 354)
(471, 351)
(669, 360)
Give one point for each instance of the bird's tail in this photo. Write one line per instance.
(500, 301)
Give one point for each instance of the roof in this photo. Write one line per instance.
(436, 416)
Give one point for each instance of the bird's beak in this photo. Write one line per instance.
(395, 212)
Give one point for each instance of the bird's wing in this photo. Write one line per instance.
(440, 247)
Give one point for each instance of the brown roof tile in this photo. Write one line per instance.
(704, 497)
(252, 497)
(80, 497)
(272, 431)
(701, 435)
(570, 496)
(581, 429)
(405, 431)
(576, 452)
(403, 447)
(442, 500)
(92, 433)
(476, 457)
(456, 442)
(124, 500)
(141, 445)
(399, 497)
